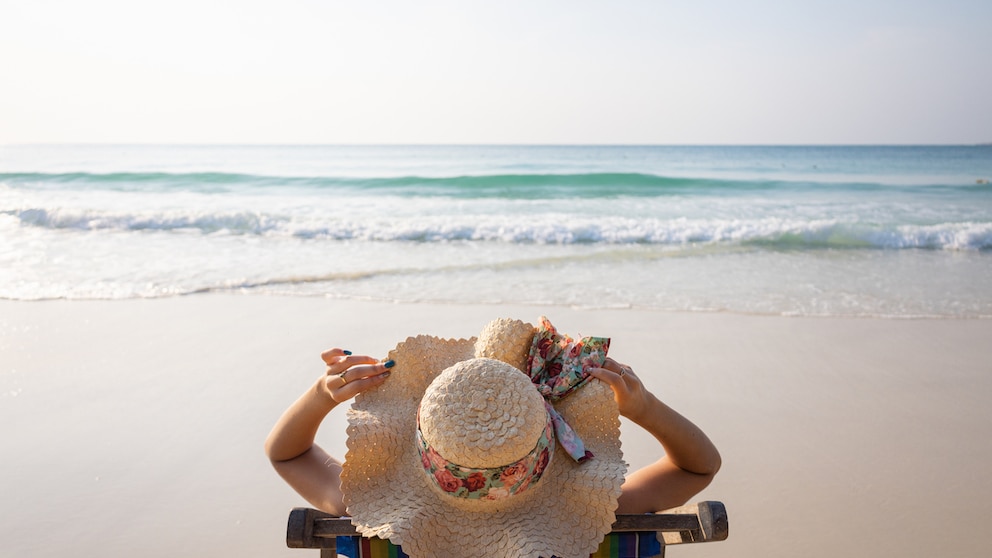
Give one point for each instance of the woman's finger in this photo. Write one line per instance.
(343, 362)
(613, 379)
(356, 379)
(331, 355)
(626, 371)
(363, 370)
(618, 368)
(355, 387)
(612, 365)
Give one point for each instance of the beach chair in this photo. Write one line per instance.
(633, 536)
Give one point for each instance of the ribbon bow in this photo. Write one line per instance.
(558, 365)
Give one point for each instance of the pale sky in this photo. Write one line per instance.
(465, 71)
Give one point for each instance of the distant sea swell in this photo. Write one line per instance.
(528, 186)
(519, 186)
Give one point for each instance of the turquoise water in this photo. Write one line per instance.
(862, 231)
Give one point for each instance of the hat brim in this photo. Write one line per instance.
(567, 513)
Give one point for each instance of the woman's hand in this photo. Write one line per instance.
(631, 396)
(347, 375)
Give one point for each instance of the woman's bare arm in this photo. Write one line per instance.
(690, 461)
(305, 466)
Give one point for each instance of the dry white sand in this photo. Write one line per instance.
(136, 427)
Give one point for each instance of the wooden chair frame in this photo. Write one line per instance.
(694, 523)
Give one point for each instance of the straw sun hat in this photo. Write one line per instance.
(461, 454)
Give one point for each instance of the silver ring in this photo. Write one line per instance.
(624, 370)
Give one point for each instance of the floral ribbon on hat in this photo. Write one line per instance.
(493, 483)
(559, 365)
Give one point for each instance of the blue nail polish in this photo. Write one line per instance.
(346, 352)
(390, 363)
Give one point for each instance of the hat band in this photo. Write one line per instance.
(493, 483)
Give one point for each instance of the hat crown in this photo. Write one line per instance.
(482, 413)
(506, 340)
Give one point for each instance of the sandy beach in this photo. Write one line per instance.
(135, 427)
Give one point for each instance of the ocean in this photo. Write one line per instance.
(872, 231)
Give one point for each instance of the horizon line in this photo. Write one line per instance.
(483, 144)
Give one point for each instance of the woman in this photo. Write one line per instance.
(688, 465)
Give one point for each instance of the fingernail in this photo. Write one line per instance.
(389, 363)
(346, 352)
(386, 374)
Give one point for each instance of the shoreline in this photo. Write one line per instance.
(442, 303)
(139, 417)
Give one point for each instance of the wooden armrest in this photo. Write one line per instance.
(702, 522)
(711, 523)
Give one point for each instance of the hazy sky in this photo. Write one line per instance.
(669, 72)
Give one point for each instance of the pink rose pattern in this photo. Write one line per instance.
(446, 480)
(488, 484)
(475, 481)
(560, 365)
